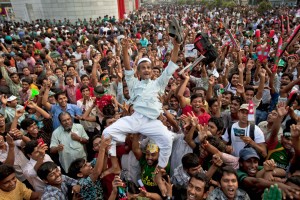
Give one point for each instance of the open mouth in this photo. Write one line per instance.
(191, 197)
(231, 192)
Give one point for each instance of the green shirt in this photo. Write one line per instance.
(148, 175)
(242, 175)
(252, 192)
(280, 157)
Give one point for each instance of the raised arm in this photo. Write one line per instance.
(94, 78)
(105, 142)
(126, 59)
(45, 101)
(287, 88)
(261, 85)
(282, 111)
(10, 159)
(136, 146)
(181, 90)
(18, 114)
(38, 109)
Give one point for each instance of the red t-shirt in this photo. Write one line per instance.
(203, 119)
(79, 95)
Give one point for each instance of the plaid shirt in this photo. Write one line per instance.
(54, 193)
(217, 194)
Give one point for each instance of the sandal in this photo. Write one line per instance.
(175, 30)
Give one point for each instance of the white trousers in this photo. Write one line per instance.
(138, 123)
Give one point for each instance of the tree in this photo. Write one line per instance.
(264, 6)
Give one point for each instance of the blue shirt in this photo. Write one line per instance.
(56, 110)
(144, 42)
(144, 93)
(54, 193)
(90, 190)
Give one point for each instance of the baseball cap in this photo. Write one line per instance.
(244, 106)
(287, 134)
(11, 98)
(247, 153)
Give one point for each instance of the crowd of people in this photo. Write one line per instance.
(107, 109)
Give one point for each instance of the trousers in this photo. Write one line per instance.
(138, 123)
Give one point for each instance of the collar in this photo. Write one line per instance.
(146, 81)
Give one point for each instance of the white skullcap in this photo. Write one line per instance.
(143, 60)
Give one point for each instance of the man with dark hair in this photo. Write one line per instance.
(190, 166)
(250, 175)
(182, 174)
(216, 126)
(198, 187)
(37, 154)
(229, 187)
(226, 100)
(55, 110)
(68, 141)
(57, 185)
(11, 187)
(13, 80)
(230, 116)
(147, 109)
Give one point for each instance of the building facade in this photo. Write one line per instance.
(31, 10)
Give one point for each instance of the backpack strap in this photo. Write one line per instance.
(251, 133)
(229, 134)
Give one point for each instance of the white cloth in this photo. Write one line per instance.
(237, 143)
(88, 126)
(72, 149)
(138, 123)
(20, 159)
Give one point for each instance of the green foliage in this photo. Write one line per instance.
(264, 6)
(219, 3)
(181, 2)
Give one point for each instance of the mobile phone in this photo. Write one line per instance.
(40, 141)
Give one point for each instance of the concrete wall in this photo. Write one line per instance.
(59, 9)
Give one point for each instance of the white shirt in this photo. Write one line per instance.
(77, 56)
(237, 143)
(30, 174)
(20, 159)
(88, 126)
(72, 149)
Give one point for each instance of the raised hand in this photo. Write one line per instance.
(97, 58)
(125, 43)
(241, 67)
(105, 142)
(295, 131)
(31, 104)
(282, 109)
(211, 80)
(240, 88)
(118, 60)
(193, 119)
(4, 99)
(262, 72)
(269, 165)
(10, 141)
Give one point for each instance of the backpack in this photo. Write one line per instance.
(203, 45)
(252, 129)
